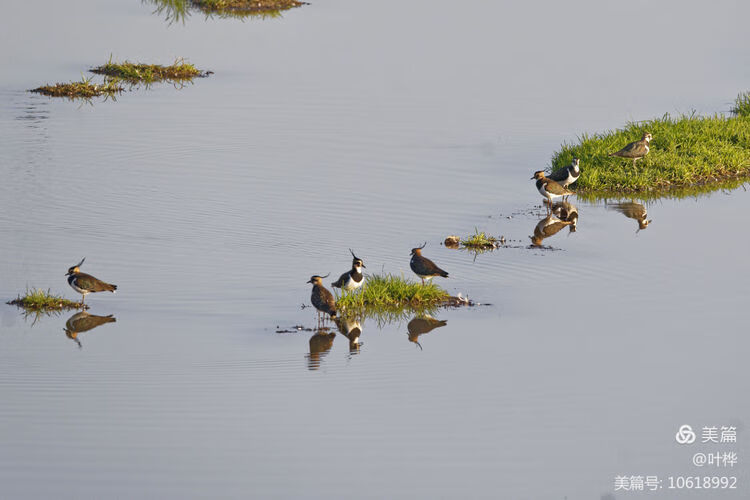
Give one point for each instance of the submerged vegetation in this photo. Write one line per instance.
(389, 292)
(179, 10)
(38, 300)
(130, 72)
(688, 150)
(84, 89)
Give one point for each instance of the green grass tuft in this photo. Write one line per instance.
(742, 105)
(480, 241)
(39, 300)
(388, 292)
(130, 72)
(685, 151)
(81, 90)
(179, 10)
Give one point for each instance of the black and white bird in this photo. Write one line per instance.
(353, 279)
(321, 298)
(635, 150)
(85, 283)
(568, 175)
(424, 267)
(548, 188)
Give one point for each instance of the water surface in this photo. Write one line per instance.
(376, 127)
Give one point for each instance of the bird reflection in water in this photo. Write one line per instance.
(83, 322)
(351, 329)
(632, 210)
(320, 343)
(567, 212)
(422, 324)
(549, 226)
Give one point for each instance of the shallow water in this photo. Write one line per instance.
(374, 127)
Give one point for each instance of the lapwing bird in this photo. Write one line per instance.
(548, 188)
(351, 280)
(419, 325)
(568, 175)
(320, 343)
(424, 267)
(82, 322)
(633, 210)
(85, 283)
(321, 298)
(635, 150)
(549, 226)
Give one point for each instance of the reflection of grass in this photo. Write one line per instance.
(391, 294)
(81, 90)
(742, 105)
(685, 151)
(148, 73)
(179, 10)
(480, 241)
(696, 191)
(37, 300)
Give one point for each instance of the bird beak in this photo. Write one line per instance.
(308, 281)
(364, 266)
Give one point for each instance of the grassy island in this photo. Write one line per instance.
(387, 291)
(132, 73)
(37, 300)
(81, 90)
(686, 151)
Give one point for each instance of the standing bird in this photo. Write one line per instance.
(424, 267)
(321, 298)
(85, 283)
(568, 175)
(548, 188)
(635, 150)
(351, 280)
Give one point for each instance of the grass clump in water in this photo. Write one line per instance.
(388, 292)
(81, 90)
(480, 241)
(130, 72)
(742, 105)
(37, 300)
(246, 6)
(688, 150)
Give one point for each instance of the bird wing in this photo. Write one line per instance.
(633, 150)
(555, 188)
(559, 175)
(342, 279)
(88, 282)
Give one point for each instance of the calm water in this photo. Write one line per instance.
(372, 126)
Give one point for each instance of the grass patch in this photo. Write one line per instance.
(130, 72)
(179, 10)
(239, 7)
(81, 90)
(390, 293)
(38, 300)
(742, 105)
(480, 241)
(686, 151)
